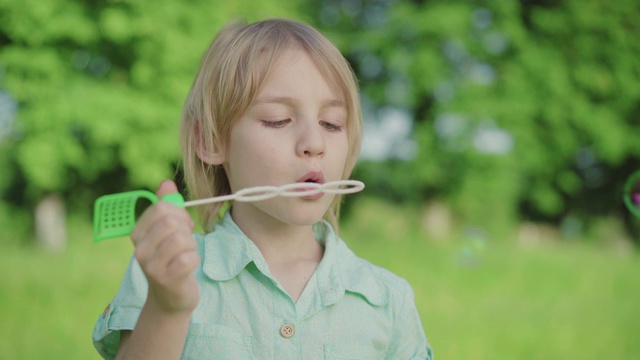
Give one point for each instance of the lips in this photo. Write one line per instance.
(312, 176)
(316, 177)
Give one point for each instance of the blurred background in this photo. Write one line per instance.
(498, 137)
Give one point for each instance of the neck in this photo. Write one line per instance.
(291, 251)
(279, 242)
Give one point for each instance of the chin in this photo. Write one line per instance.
(302, 218)
(305, 213)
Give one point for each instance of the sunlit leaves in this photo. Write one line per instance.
(553, 80)
(99, 86)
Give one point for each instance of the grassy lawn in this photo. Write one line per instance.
(49, 302)
(560, 301)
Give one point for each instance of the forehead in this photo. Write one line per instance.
(282, 63)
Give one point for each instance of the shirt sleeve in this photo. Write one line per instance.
(122, 312)
(408, 338)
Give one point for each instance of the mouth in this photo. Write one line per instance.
(316, 177)
(312, 192)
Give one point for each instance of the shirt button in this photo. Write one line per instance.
(287, 331)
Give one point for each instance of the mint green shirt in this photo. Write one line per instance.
(350, 309)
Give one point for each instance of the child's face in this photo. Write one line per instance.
(294, 131)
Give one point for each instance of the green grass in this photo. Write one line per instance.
(49, 302)
(559, 301)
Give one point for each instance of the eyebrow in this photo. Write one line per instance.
(291, 102)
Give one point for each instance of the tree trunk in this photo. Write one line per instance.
(50, 222)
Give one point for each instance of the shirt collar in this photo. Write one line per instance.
(227, 251)
(341, 270)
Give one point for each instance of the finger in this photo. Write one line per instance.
(169, 187)
(183, 265)
(172, 245)
(161, 214)
(148, 217)
(165, 223)
(175, 259)
(166, 187)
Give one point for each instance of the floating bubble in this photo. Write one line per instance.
(632, 194)
(473, 248)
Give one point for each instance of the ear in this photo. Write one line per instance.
(210, 154)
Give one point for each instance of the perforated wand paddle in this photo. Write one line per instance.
(114, 214)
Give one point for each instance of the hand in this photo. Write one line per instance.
(167, 254)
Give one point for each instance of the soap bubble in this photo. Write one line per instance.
(474, 244)
(632, 194)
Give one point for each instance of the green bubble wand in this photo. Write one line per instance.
(114, 214)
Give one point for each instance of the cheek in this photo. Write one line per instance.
(340, 156)
(251, 163)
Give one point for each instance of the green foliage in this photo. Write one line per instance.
(521, 109)
(100, 86)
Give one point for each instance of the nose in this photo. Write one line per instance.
(311, 141)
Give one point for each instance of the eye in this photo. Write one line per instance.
(275, 124)
(331, 126)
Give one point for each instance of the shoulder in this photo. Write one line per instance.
(379, 285)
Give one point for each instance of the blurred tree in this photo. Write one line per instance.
(522, 109)
(99, 87)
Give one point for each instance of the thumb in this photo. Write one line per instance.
(166, 187)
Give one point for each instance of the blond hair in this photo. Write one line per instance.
(228, 81)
